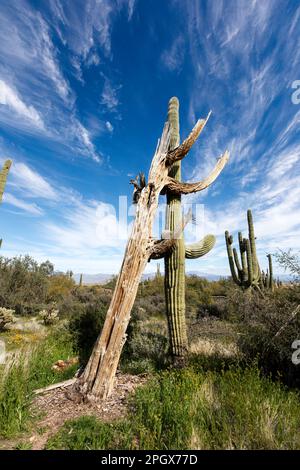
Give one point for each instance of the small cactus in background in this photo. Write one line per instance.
(49, 317)
(80, 280)
(246, 272)
(158, 274)
(6, 317)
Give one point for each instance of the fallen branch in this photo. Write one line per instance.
(64, 384)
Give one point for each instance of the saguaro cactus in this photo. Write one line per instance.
(247, 273)
(267, 279)
(3, 178)
(175, 259)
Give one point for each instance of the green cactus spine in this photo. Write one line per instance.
(175, 260)
(247, 273)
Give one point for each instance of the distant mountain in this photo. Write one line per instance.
(210, 277)
(93, 278)
(104, 278)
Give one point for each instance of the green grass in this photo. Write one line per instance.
(31, 372)
(233, 409)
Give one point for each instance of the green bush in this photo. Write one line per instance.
(268, 331)
(27, 286)
(85, 327)
(144, 351)
(59, 286)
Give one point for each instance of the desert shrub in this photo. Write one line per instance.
(85, 328)
(290, 261)
(198, 292)
(144, 351)
(268, 331)
(215, 309)
(111, 283)
(6, 317)
(150, 298)
(23, 284)
(59, 285)
(76, 301)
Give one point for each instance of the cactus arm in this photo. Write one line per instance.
(243, 257)
(249, 262)
(228, 239)
(200, 248)
(3, 176)
(176, 187)
(238, 265)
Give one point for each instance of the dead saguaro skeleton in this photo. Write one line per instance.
(97, 380)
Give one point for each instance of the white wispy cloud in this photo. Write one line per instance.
(49, 60)
(85, 28)
(25, 206)
(10, 98)
(109, 96)
(28, 53)
(109, 126)
(84, 136)
(88, 225)
(30, 182)
(35, 96)
(172, 58)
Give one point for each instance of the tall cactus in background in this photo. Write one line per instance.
(267, 279)
(175, 259)
(246, 273)
(3, 178)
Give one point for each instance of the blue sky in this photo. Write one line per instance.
(84, 87)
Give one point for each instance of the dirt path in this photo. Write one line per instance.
(56, 408)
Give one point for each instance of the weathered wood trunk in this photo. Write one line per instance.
(97, 379)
